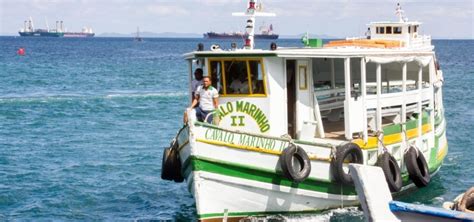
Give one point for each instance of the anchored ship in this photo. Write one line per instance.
(265, 33)
(86, 32)
(28, 30)
(282, 142)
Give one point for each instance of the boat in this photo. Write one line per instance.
(137, 37)
(28, 30)
(85, 33)
(284, 145)
(378, 205)
(265, 33)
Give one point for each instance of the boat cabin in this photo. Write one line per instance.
(332, 93)
(347, 90)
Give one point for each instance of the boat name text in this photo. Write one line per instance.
(247, 108)
(245, 140)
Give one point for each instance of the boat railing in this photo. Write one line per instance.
(397, 99)
(356, 38)
(330, 104)
(421, 41)
(334, 98)
(330, 99)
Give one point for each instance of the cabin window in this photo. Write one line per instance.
(409, 29)
(216, 76)
(233, 77)
(380, 30)
(389, 30)
(397, 30)
(415, 28)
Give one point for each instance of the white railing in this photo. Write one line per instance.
(330, 99)
(421, 41)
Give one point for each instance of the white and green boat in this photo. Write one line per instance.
(282, 143)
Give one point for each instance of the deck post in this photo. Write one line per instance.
(404, 109)
(364, 94)
(190, 79)
(432, 70)
(347, 108)
(420, 111)
(333, 75)
(378, 115)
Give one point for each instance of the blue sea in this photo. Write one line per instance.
(83, 123)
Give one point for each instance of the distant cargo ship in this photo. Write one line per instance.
(265, 33)
(29, 31)
(86, 32)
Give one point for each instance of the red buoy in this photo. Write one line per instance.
(21, 51)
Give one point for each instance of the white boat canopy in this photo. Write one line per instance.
(421, 60)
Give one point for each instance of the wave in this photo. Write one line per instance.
(344, 214)
(146, 94)
(72, 97)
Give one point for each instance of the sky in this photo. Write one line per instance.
(449, 19)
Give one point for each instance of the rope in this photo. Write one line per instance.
(380, 134)
(342, 198)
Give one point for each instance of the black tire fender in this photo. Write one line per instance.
(295, 163)
(171, 164)
(391, 170)
(417, 167)
(178, 176)
(348, 150)
(166, 165)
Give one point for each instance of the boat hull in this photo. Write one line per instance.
(211, 35)
(41, 34)
(56, 34)
(230, 176)
(78, 35)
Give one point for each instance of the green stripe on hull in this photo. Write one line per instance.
(249, 214)
(410, 124)
(265, 176)
(273, 177)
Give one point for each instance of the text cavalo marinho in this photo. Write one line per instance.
(248, 108)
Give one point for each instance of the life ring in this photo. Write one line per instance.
(171, 164)
(391, 170)
(348, 152)
(417, 167)
(467, 202)
(295, 163)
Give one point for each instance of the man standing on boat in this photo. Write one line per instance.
(206, 96)
(197, 81)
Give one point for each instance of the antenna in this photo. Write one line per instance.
(400, 13)
(253, 10)
(47, 24)
(31, 24)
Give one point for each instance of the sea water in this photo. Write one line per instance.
(83, 123)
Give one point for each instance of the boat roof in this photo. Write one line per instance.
(307, 52)
(394, 23)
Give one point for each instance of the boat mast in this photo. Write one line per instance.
(47, 24)
(253, 10)
(400, 13)
(31, 26)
